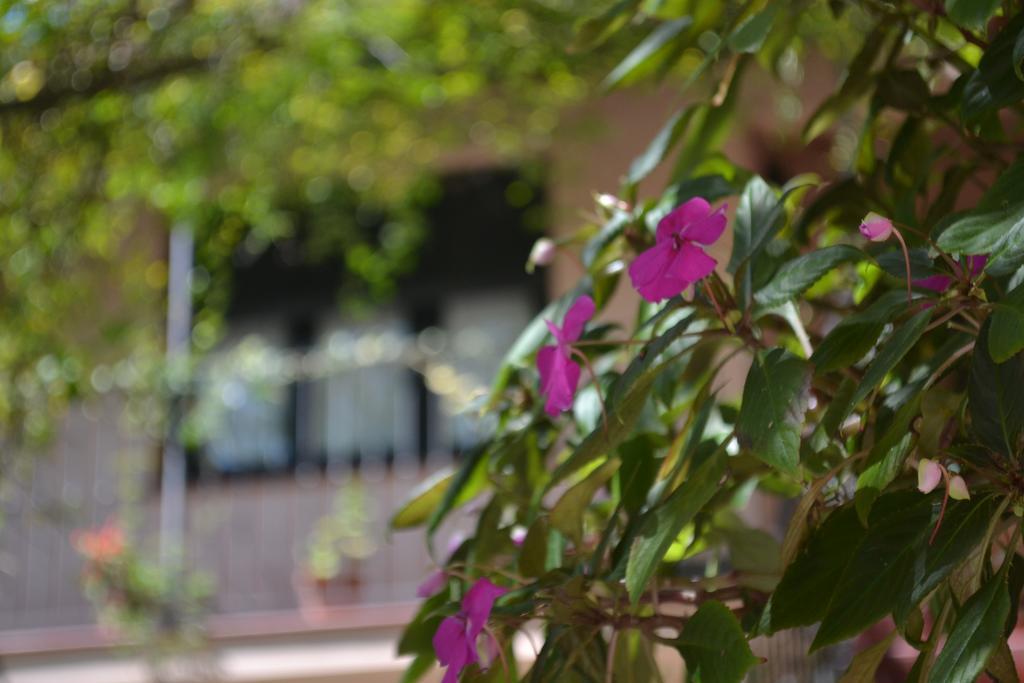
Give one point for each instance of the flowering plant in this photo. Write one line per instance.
(876, 320)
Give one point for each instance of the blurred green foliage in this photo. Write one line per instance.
(120, 119)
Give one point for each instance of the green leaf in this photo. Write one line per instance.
(1000, 665)
(534, 553)
(802, 595)
(662, 524)
(468, 481)
(567, 514)
(1006, 334)
(995, 398)
(864, 666)
(976, 633)
(886, 457)
(594, 31)
(647, 50)
(634, 658)
(758, 218)
(971, 13)
(796, 276)
(996, 227)
(772, 413)
(994, 83)
(889, 356)
(626, 400)
(856, 334)
(879, 474)
(962, 529)
(419, 667)
(1018, 56)
(714, 647)
(749, 36)
(659, 147)
(639, 470)
(894, 560)
(423, 500)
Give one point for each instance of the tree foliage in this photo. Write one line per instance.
(872, 353)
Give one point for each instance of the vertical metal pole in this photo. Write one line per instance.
(179, 331)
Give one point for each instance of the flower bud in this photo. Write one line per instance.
(929, 474)
(876, 228)
(958, 488)
(542, 254)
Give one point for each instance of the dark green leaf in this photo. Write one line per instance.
(634, 658)
(647, 50)
(903, 89)
(1006, 334)
(971, 13)
(995, 397)
(880, 473)
(796, 276)
(714, 647)
(864, 667)
(772, 413)
(894, 560)
(889, 356)
(659, 147)
(758, 218)
(639, 470)
(594, 31)
(533, 555)
(855, 335)
(802, 595)
(664, 522)
(749, 36)
(567, 514)
(995, 83)
(976, 633)
(996, 227)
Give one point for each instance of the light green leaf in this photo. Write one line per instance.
(663, 523)
(647, 50)
(567, 514)
(714, 647)
(976, 633)
(423, 500)
(772, 413)
(796, 276)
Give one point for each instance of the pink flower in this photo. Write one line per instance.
(455, 640)
(876, 228)
(958, 488)
(542, 254)
(432, 584)
(675, 261)
(940, 283)
(929, 474)
(559, 375)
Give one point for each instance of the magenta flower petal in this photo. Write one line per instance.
(936, 283)
(434, 583)
(651, 276)
(680, 217)
(692, 263)
(977, 264)
(454, 647)
(579, 313)
(477, 604)
(559, 378)
(706, 230)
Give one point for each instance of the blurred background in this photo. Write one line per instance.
(258, 262)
